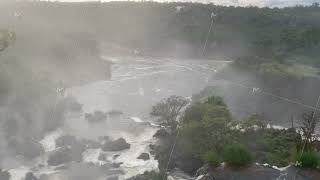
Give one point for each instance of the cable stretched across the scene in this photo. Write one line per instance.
(171, 153)
(209, 32)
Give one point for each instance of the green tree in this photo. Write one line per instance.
(168, 110)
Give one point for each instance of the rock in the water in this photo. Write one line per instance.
(115, 156)
(71, 104)
(144, 156)
(62, 167)
(4, 175)
(117, 145)
(61, 156)
(102, 157)
(95, 117)
(74, 147)
(26, 147)
(65, 141)
(30, 176)
(203, 170)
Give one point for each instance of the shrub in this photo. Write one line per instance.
(237, 155)
(212, 158)
(308, 159)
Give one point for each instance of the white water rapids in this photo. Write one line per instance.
(136, 85)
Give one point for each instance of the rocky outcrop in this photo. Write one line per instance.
(71, 104)
(30, 176)
(144, 156)
(117, 145)
(26, 147)
(96, 117)
(61, 156)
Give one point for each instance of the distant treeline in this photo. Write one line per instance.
(181, 28)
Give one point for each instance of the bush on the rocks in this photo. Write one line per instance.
(212, 158)
(308, 159)
(237, 155)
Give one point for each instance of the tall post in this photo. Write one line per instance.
(209, 31)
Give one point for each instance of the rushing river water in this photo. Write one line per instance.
(136, 85)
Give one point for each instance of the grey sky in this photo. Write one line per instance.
(260, 3)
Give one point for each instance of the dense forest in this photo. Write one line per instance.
(276, 41)
(265, 32)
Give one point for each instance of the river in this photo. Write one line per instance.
(136, 84)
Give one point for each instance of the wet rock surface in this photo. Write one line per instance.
(116, 145)
(30, 176)
(144, 156)
(60, 156)
(26, 148)
(97, 116)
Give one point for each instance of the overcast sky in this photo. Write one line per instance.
(261, 3)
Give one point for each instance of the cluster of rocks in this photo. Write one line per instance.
(27, 148)
(70, 149)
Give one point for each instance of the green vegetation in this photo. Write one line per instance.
(309, 159)
(168, 110)
(212, 158)
(252, 35)
(208, 134)
(237, 155)
(276, 147)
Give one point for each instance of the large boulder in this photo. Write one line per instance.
(117, 145)
(144, 156)
(61, 156)
(26, 147)
(96, 117)
(76, 146)
(71, 104)
(30, 176)
(65, 141)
